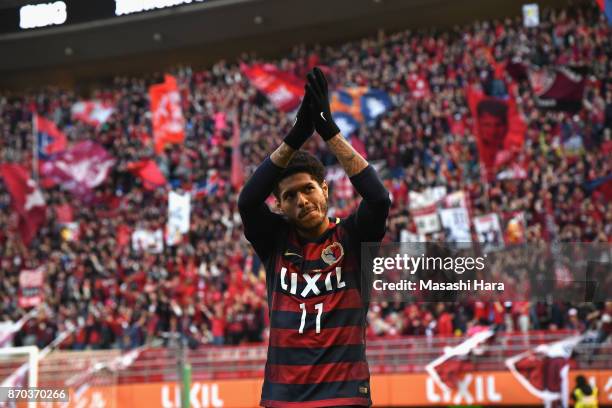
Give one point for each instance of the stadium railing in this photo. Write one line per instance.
(400, 355)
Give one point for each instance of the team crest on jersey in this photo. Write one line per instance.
(332, 253)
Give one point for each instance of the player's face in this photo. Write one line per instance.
(303, 200)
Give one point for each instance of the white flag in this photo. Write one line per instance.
(179, 212)
(456, 223)
(489, 232)
(148, 241)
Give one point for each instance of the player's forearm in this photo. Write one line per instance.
(350, 160)
(282, 155)
(259, 186)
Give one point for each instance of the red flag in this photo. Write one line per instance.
(27, 200)
(50, 139)
(168, 120)
(283, 89)
(149, 173)
(445, 370)
(498, 127)
(64, 213)
(79, 169)
(418, 85)
(237, 177)
(543, 370)
(31, 287)
(560, 88)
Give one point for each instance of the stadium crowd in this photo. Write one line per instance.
(210, 287)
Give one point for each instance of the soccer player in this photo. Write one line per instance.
(317, 301)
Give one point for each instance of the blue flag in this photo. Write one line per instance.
(353, 106)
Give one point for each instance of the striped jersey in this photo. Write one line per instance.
(316, 354)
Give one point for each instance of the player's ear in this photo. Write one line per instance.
(325, 189)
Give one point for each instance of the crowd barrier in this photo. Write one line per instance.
(488, 388)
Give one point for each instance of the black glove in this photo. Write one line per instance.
(302, 127)
(320, 110)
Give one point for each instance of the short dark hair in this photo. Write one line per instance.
(493, 107)
(302, 162)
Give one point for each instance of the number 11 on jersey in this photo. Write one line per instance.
(319, 308)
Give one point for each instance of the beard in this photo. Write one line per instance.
(322, 214)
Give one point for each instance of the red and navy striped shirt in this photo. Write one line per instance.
(316, 353)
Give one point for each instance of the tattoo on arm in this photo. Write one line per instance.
(282, 155)
(350, 160)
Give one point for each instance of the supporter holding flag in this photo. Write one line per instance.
(79, 169)
(356, 105)
(48, 138)
(27, 200)
(94, 113)
(418, 85)
(544, 370)
(498, 126)
(558, 88)
(167, 115)
(148, 171)
(282, 88)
